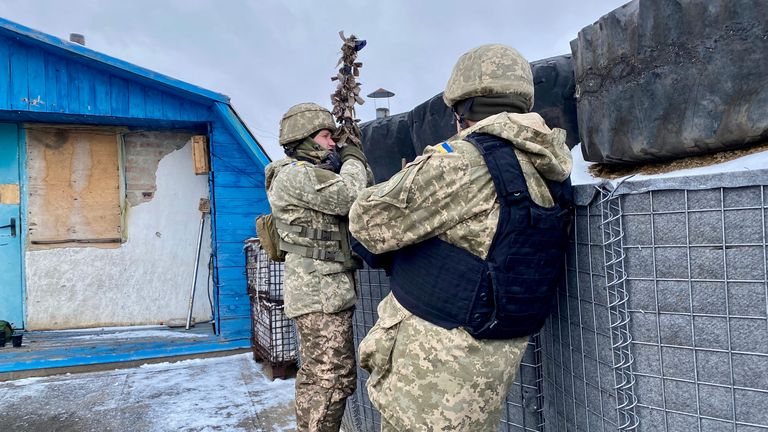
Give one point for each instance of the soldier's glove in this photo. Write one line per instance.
(332, 162)
(350, 151)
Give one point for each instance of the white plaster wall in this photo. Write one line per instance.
(146, 280)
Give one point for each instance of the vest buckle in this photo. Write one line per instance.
(323, 255)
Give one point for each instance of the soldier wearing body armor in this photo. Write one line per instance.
(473, 235)
(310, 193)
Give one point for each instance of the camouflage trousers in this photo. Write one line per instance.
(327, 375)
(427, 378)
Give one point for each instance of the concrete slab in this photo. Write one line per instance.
(213, 394)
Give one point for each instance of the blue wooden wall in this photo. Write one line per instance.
(39, 80)
(45, 79)
(239, 196)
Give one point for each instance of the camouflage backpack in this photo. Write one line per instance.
(269, 238)
(6, 330)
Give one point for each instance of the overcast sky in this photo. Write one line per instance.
(268, 55)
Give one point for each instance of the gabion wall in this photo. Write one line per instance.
(662, 324)
(696, 261)
(578, 355)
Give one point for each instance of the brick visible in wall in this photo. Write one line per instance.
(143, 152)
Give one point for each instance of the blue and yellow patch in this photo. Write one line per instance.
(444, 148)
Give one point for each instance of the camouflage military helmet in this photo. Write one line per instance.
(490, 70)
(303, 120)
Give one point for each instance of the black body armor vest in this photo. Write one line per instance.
(511, 292)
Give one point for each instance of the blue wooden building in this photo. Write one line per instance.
(46, 81)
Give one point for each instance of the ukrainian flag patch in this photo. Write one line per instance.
(445, 148)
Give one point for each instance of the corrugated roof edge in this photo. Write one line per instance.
(39, 37)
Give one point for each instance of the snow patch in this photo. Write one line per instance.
(213, 394)
(95, 329)
(223, 395)
(141, 334)
(26, 381)
(581, 174)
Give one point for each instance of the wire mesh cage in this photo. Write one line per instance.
(372, 286)
(524, 405)
(698, 289)
(265, 277)
(273, 335)
(663, 324)
(577, 351)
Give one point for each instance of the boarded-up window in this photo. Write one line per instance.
(74, 187)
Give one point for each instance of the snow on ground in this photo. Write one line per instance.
(142, 334)
(214, 394)
(205, 393)
(118, 328)
(581, 174)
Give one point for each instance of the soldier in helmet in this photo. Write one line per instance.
(310, 192)
(473, 234)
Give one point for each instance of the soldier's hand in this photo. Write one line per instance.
(350, 151)
(332, 162)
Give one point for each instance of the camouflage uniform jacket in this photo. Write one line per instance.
(424, 377)
(451, 195)
(301, 194)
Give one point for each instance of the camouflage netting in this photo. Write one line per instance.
(403, 136)
(347, 92)
(659, 79)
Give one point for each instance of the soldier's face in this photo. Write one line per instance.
(324, 139)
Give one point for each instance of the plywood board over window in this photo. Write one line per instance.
(74, 187)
